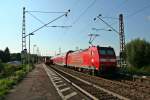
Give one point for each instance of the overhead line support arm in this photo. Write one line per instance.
(107, 24)
(51, 22)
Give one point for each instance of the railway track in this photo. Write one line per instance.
(125, 89)
(130, 80)
(136, 85)
(95, 90)
(142, 79)
(65, 88)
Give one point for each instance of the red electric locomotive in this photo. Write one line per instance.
(99, 59)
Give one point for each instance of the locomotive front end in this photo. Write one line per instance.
(107, 59)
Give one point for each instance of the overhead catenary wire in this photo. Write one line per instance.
(50, 22)
(110, 17)
(36, 18)
(117, 8)
(72, 8)
(44, 23)
(67, 28)
(106, 24)
(88, 7)
(78, 18)
(75, 4)
(44, 12)
(121, 5)
(138, 11)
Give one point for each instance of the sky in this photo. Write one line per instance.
(82, 12)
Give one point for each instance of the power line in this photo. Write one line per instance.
(106, 23)
(138, 11)
(44, 12)
(50, 22)
(60, 26)
(121, 5)
(110, 17)
(66, 31)
(75, 4)
(84, 12)
(76, 20)
(36, 18)
(117, 8)
(44, 23)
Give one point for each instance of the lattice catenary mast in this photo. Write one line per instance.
(122, 41)
(24, 50)
(23, 31)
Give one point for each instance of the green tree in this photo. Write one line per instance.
(2, 57)
(15, 56)
(138, 53)
(6, 55)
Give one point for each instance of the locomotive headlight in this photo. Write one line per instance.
(92, 60)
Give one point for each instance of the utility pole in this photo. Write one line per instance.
(59, 50)
(37, 54)
(24, 50)
(34, 54)
(77, 48)
(23, 31)
(29, 52)
(122, 42)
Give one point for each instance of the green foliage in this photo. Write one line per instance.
(6, 55)
(20, 74)
(1, 69)
(9, 70)
(5, 85)
(15, 57)
(135, 70)
(139, 71)
(138, 53)
(12, 75)
(2, 56)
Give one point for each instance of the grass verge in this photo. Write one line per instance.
(11, 75)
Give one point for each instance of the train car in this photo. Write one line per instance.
(47, 60)
(95, 58)
(59, 60)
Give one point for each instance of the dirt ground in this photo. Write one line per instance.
(35, 86)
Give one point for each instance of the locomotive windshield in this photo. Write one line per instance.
(106, 51)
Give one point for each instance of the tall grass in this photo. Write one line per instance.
(11, 75)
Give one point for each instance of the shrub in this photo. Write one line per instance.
(12, 76)
(138, 71)
(9, 70)
(138, 53)
(20, 74)
(5, 85)
(1, 69)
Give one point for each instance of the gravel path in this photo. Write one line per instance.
(35, 86)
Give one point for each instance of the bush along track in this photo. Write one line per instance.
(11, 75)
(135, 71)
